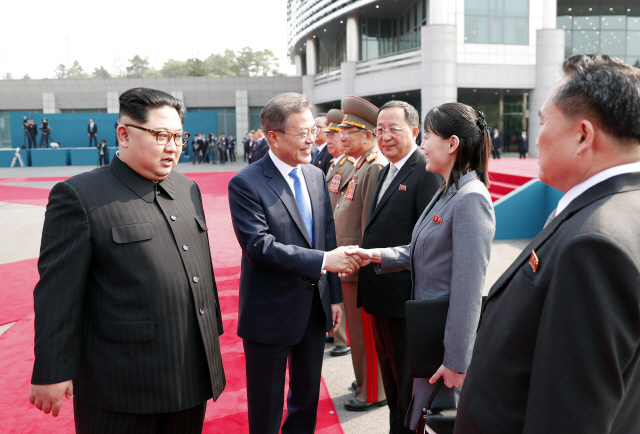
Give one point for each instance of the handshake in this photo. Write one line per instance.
(348, 259)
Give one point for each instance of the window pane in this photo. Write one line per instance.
(476, 30)
(476, 7)
(633, 43)
(633, 19)
(568, 43)
(613, 43)
(516, 8)
(586, 18)
(633, 61)
(586, 42)
(564, 22)
(516, 31)
(497, 31)
(497, 8)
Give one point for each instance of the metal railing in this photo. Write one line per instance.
(395, 60)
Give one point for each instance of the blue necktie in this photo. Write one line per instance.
(303, 203)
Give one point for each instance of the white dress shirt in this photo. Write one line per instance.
(599, 177)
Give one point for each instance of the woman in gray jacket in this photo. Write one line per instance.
(451, 242)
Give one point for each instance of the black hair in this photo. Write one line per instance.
(457, 119)
(604, 87)
(135, 103)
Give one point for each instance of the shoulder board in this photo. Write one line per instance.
(343, 160)
(332, 160)
(361, 162)
(353, 160)
(372, 156)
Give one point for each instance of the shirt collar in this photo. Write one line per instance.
(321, 147)
(282, 167)
(599, 177)
(400, 163)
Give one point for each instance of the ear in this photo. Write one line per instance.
(272, 138)
(415, 131)
(369, 135)
(587, 135)
(454, 142)
(123, 136)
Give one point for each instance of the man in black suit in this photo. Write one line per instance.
(523, 144)
(126, 309)
(232, 148)
(92, 132)
(32, 130)
(246, 142)
(404, 190)
(282, 218)
(496, 143)
(259, 147)
(322, 158)
(558, 347)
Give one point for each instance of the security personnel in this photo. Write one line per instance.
(350, 213)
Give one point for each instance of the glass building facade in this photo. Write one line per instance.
(602, 27)
(496, 22)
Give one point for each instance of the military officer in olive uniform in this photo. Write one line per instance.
(356, 192)
(340, 167)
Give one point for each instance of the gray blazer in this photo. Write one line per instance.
(448, 257)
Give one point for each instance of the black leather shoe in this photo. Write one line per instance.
(354, 386)
(340, 350)
(355, 405)
(328, 338)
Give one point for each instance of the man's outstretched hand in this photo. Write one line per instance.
(48, 397)
(337, 261)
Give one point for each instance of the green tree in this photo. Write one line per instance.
(76, 71)
(26, 77)
(101, 73)
(174, 68)
(139, 68)
(61, 71)
(195, 68)
(222, 65)
(7, 76)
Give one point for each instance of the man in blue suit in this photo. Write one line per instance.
(282, 218)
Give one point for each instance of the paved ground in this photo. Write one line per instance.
(21, 226)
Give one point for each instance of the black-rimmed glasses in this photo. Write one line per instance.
(164, 137)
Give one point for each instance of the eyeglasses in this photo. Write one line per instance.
(392, 131)
(311, 134)
(164, 137)
(345, 134)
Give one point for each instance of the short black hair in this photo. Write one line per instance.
(410, 113)
(135, 103)
(604, 87)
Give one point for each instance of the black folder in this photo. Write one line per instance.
(426, 321)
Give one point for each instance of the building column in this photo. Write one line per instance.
(242, 114)
(49, 105)
(353, 38)
(297, 60)
(311, 57)
(439, 66)
(113, 102)
(549, 58)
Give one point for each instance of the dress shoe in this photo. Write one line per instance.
(355, 405)
(328, 338)
(340, 350)
(354, 384)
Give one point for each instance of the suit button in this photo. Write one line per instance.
(196, 279)
(173, 218)
(185, 247)
(201, 311)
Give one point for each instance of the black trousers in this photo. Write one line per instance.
(95, 140)
(390, 337)
(266, 365)
(93, 420)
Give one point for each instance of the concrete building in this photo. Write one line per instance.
(500, 55)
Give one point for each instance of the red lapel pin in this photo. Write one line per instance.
(402, 187)
(437, 219)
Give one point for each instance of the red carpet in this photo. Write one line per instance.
(227, 416)
(507, 174)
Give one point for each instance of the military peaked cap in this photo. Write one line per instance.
(334, 117)
(359, 113)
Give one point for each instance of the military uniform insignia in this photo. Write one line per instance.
(351, 189)
(534, 261)
(353, 160)
(402, 187)
(360, 163)
(334, 186)
(319, 162)
(437, 219)
(372, 156)
(332, 160)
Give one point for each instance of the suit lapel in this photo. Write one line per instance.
(373, 210)
(617, 184)
(282, 190)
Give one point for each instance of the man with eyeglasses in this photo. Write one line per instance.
(350, 215)
(403, 191)
(289, 292)
(127, 317)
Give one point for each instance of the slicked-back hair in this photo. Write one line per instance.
(135, 103)
(322, 115)
(605, 88)
(457, 119)
(275, 114)
(410, 113)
